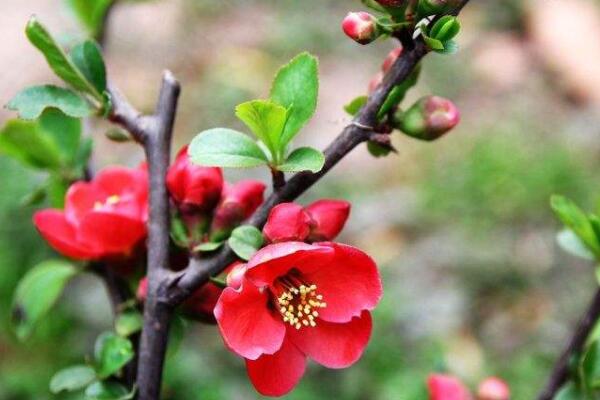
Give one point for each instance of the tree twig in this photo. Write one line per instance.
(560, 372)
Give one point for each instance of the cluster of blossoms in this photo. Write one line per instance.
(447, 387)
(301, 296)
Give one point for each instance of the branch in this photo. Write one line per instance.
(156, 133)
(560, 372)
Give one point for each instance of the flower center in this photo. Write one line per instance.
(110, 201)
(298, 302)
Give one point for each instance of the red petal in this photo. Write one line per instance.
(247, 193)
(276, 260)
(61, 235)
(350, 283)
(334, 345)
(248, 327)
(328, 218)
(111, 233)
(81, 199)
(277, 374)
(120, 181)
(287, 222)
(446, 387)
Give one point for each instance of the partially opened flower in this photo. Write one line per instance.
(446, 387)
(328, 218)
(299, 300)
(287, 222)
(192, 187)
(104, 218)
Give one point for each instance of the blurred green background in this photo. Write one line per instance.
(461, 228)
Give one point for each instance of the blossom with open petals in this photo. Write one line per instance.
(103, 218)
(299, 300)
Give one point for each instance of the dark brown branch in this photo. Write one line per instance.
(157, 136)
(199, 270)
(560, 373)
(127, 116)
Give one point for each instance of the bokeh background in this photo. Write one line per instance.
(461, 228)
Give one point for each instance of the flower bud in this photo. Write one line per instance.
(360, 27)
(444, 387)
(428, 119)
(493, 389)
(375, 82)
(118, 135)
(328, 218)
(192, 187)
(391, 59)
(142, 290)
(287, 222)
(236, 275)
(238, 202)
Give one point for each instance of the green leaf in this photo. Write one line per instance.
(569, 392)
(377, 150)
(399, 92)
(432, 43)
(450, 47)
(88, 58)
(129, 322)
(569, 242)
(445, 29)
(62, 66)
(108, 391)
(355, 105)
(84, 153)
(73, 378)
(221, 147)
(90, 14)
(64, 130)
(208, 246)
(589, 368)
(267, 120)
(32, 101)
(296, 87)
(112, 352)
(577, 221)
(37, 292)
(303, 159)
(245, 240)
(56, 189)
(26, 142)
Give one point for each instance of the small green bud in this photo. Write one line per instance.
(117, 135)
(428, 119)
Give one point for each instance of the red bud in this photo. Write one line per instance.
(287, 222)
(328, 219)
(446, 387)
(493, 389)
(391, 59)
(375, 82)
(429, 118)
(360, 27)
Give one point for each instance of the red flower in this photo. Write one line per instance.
(321, 220)
(446, 387)
(238, 202)
(194, 187)
(103, 218)
(299, 300)
(493, 389)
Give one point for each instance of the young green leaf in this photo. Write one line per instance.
(26, 142)
(569, 391)
(32, 101)
(221, 147)
(399, 92)
(245, 240)
(111, 352)
(90, 14)
(64, 130)
(88, 58)
(577, 221)
(589, 367)
(37, 292)
(433, 44)
(73, 378)
(296, 87)
(303, 159)
(355, 105)
(377, 150)
(108, 391)
(129, 322)
(267, 120)
(445, 29)
(62, 66)
(208, 246)
(570, 243)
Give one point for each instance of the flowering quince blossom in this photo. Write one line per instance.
(192, 187)
(104, 218)
(447, 387)
(322, 220)
(299, 300)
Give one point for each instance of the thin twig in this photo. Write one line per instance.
(560, 372)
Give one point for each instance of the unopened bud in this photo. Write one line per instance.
(117, 135)
(436, 7)
(391, 59)
(428, 119)
(493, 389)
(361, 27)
